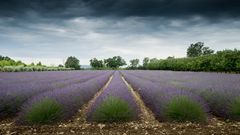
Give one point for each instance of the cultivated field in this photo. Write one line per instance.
(119, 102)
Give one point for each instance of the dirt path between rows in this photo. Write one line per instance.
(146, 114)
(80, 118)
(147, 125)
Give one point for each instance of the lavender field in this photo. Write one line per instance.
(50, 97)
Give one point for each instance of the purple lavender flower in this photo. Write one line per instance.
(116, 89)
(71, 98)
(14, 95)
(157, 97)
(221, 91)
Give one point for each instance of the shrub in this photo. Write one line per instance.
(8, 69)
(113, 109)
(182, 109)
(44, 112)
(21, 68)
(28, 69)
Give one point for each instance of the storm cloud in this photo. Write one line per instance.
(51, 30)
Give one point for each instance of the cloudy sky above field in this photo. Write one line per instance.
(52, 30)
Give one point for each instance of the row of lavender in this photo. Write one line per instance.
(13, 95)
(172, 96)
(167, 102)
(61, 104)
(220, 91)
(30, 77)
(115, 104)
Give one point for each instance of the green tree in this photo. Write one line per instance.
(95, 63)
(115, 62)
(6, 61)
(154, 60)
(170, 57)
(1, 57)
(207, 51)
(72, 62)
(32, 64)
(195, 50)
(60, 65)
(146, 60)
(5, 58)
(134, 63)
(39, 64)
(20, 63)
(154, 63)
(198, 49)
(221, 61)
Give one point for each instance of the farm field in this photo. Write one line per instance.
(119, 102)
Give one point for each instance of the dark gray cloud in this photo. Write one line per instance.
(34, 30)
(120, 8)
(166, 8)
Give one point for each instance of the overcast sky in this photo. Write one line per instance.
(51, 30)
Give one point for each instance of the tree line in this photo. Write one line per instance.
(199, 58)
(7, 64)
(222, 61)
(109, 63)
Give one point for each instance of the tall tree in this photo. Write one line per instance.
(195, 50)
(146, 60)
(134, 63)
(198, 49)
(72, 62)
(95, 63)
(39, 64)
(1, 57)
(60, 65)
(115, 62)
(207, 51)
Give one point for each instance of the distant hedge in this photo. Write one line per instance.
(222, 61)
(31, 68)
